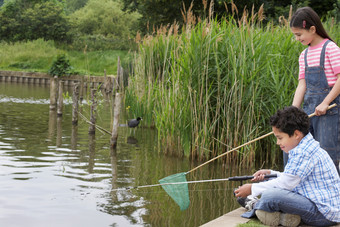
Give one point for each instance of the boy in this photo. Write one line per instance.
(309, 187)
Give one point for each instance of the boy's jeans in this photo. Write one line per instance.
(289, 202)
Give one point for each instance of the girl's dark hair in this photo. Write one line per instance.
(290, 119)
(305, 18)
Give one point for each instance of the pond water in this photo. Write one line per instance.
(56, 174)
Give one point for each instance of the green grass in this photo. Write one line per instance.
(38, 56)
(254, 222)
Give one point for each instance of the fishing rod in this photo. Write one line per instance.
(235, 178)
(176, 185)
(237, 148)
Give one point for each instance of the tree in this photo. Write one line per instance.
(46, 20)
(164, 12)
(74, 5)
(29, 20)
(156, 13)
(104, 17)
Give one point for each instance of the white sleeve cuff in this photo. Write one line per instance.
(284, 181)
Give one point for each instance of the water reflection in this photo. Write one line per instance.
(74, 137)
(114, 161)
(54, 173)
(52, 123)
(131, 140)
(92, 151)
(59, 131)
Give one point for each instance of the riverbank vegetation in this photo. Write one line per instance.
(39, 55)
(213, 85)
(207, 75)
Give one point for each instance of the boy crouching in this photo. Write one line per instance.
(308, 189)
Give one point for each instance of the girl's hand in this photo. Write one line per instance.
(259, 175)
(243, 191)
(321, 109)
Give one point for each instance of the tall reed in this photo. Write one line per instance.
(217, 82)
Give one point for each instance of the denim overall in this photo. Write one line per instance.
(325, 128)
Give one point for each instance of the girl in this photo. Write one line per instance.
(319, 86)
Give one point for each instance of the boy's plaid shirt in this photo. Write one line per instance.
(320, 181)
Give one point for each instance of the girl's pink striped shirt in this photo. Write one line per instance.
(332, 61)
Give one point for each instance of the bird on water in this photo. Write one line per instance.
(134, 122)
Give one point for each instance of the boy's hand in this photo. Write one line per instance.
(259, 175)
(243, 191)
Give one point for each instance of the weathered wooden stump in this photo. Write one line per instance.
(53, 92)
(92, 128)
(60, 99)
(75, 104)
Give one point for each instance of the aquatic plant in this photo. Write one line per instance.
(213, 86)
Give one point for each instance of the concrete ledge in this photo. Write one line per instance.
(231, 219)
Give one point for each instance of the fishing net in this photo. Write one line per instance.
(178, 192)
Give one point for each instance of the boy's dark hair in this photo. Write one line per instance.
(305, 18)
(290, 119)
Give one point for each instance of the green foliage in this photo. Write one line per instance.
(163, 12)
(74, 5)
(46, 20)
(104, 19)
(335, 12)
(100, 42)
(218, 80)
(29, 20)
(27, 56)
(38, 56)
(61, 66)
(112, 24)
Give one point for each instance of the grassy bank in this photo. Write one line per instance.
(214, 86)
(38, 56)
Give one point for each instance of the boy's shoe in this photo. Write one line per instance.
(278, 218)
(247, 202)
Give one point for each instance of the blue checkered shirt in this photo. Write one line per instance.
(320, 181)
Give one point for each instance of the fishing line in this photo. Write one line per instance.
(165, 183)
(136, 191)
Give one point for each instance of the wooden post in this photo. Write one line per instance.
(60, 99)
(92, 128)
(120, 82)
(75, 104)
(81, 93)
(107, 83)
(121, 78)
(115, 126)
(53, 92)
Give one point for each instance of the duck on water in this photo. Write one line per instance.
(134, 122)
